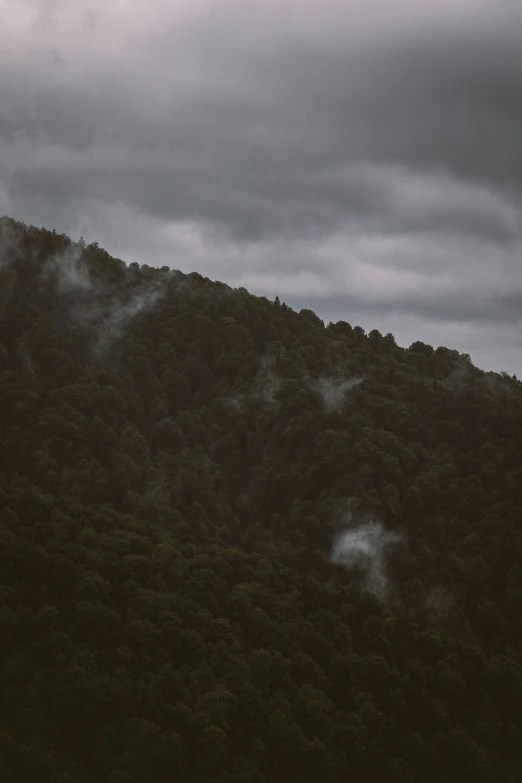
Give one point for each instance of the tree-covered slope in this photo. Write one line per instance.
(176, 460)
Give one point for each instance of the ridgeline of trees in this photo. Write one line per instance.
(175, 460)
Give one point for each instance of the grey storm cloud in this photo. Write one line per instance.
(362, 158)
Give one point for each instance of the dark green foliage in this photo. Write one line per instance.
(170, 485)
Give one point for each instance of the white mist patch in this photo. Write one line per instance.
(117, 322)
(268, 382)
(439, 604)
(70, 269)
(263, 390)
(366, 547)
(333, 392)
(464, 377)
(9, 240)
(458, 377)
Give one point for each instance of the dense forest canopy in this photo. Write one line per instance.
(239, 545)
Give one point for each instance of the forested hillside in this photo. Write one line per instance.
(177, 461)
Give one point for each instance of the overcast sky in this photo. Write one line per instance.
(362, 158)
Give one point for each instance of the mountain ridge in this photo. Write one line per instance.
(178, 459)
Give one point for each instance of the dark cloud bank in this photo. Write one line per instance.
(360, 159)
